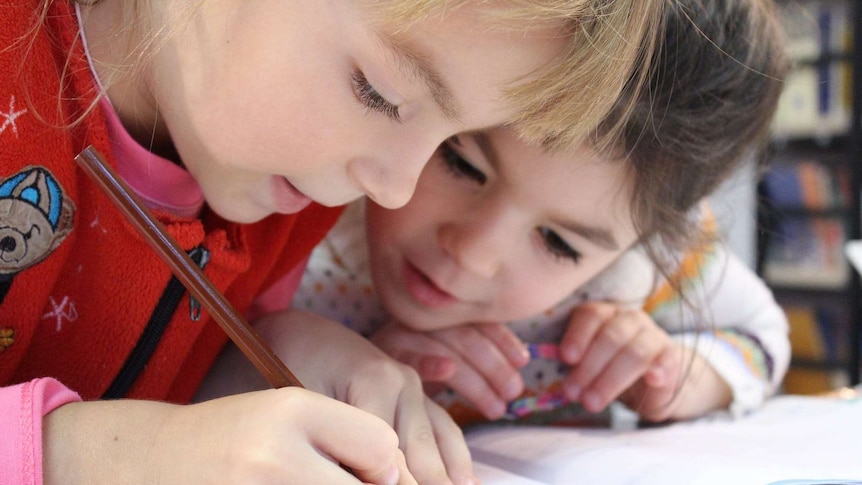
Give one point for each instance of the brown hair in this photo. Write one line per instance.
(713, 89)
(714, 83)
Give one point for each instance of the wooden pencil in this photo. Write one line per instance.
(189, 274)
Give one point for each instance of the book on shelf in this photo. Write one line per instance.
(806, 253)
(807, 235)
(813, 27)
(816, 101)
(815, 330)
(807, 184)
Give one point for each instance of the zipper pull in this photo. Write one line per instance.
(201, 256)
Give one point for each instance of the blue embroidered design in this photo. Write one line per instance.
(35, 217)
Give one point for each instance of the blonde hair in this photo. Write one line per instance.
(612, 44)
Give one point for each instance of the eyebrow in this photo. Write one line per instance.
(599, 236)
(419, 65)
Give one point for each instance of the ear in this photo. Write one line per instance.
(65, 223)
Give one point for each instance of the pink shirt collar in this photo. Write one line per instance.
(160, 183)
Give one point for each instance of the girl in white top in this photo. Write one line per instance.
(593, 239)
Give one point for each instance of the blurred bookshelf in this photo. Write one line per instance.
(809, 200)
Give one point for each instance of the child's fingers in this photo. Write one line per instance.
(394, 392)
(399, 399)
(610, 338)
(435, 368)
(465, 358)
(486, 359)
(358, 440)
(396, 475)
(473, 387)
(431, 368)
(663, 370)
(624, 369)
(453, 448)
(429, 357)
(652, 403)
(419, 438)
(584, 323)
(490, 350)
(507, 342)
(653, 397)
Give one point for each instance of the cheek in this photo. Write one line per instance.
(381, 226)
(531, 292)
(419, 219)
(295, 124)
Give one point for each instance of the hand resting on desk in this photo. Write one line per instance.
(613, 353)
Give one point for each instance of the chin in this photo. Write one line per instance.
(232, 214)
(422, 321)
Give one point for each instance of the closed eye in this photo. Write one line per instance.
(372, 100)
(459, 166)
(557, 246)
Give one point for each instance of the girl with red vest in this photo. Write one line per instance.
(243, 125)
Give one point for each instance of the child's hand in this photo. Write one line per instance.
(478, 361)
(334, 360)
(274, 436)
(617, 352)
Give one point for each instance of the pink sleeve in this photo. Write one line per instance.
(23, 406)
(278, 296)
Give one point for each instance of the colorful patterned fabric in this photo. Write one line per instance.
(734, 323)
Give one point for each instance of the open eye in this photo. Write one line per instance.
(369, 97)
(459, 166)
(557, 246)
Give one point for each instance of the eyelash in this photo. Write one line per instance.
(558, 248)
(458, 166)
(372, 100)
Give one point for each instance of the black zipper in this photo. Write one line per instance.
(5, 284)
(155, 329)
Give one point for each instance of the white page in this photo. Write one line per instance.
(493, 475)
(790, 438)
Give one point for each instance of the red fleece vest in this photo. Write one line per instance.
(78, 283)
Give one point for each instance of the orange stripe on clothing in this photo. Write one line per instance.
(692, 263)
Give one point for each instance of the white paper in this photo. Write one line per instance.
(791, 438)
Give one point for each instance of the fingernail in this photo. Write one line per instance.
(656, 376)
(592, 401)
(466, 481)
(573, 391)
(524, 355)
(570, 354)
(496, 410)
(392, 475)
(513, 388)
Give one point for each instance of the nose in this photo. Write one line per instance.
(390, 180)
(8, 244)
(477, 244)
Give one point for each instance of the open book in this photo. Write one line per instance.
(792, 440)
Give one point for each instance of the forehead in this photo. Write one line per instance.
(466, 55)
(573, 184)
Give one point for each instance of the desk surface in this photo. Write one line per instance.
(803, 438)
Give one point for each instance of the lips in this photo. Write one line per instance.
(423, 290)
(286, 197)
